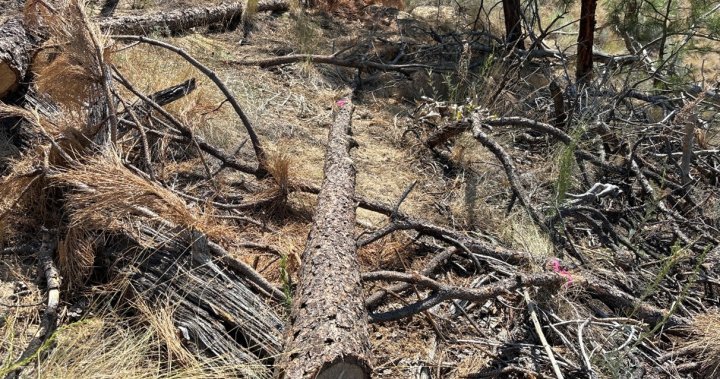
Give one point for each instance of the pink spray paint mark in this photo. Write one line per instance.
(341, 103)
(562, 272)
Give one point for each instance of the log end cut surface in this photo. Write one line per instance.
(8, 79)
(15, 45)
(345, 370)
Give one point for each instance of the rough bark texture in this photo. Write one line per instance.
(328, 335)
(16, 45)
(513, 29)
(583, 70)
(559, 104)
(182, 20)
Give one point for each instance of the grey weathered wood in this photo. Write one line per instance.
(216, 314)
(328, 336)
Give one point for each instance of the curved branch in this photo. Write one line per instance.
(442, 292)
(259, 151)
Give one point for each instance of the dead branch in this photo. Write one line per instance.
(480, 249)
(143, 138)
(335, 61)
(509, 167)
(246, 271)
(538, 329)
(254, 140)
(442, 292)
(374, 300)
(48, 323)
(187, 134)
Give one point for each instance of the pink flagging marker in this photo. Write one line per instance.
(563, 272)
(341, 103)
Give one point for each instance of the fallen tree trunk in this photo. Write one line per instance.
(182, 20)
(16, 46)
(328, 335)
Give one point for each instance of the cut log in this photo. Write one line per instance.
(179, 21)
(16, 46)
(328, 335)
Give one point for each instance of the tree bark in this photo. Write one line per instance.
(16, 46)
(559, 104)
(328, 336)
(513, 28)
(179, 21)
(584, 63)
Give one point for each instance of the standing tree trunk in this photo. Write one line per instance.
(513, 28)
(328, 336)
(16, 46)
(583, 71)
(559, 104)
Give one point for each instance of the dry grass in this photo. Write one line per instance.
(76, 255)
(106, 347)
(19, 312)
(523, 235)
(706, 342)
(108, 196)
(70, 71)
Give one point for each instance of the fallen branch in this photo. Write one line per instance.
(187, 133)
(541, 335)
(443, 292)
(481, 249)
(374, 300)
(254, 140)
(509, 167)
(335, 61)
(48, 323)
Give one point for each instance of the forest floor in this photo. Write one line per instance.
(292, 107)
